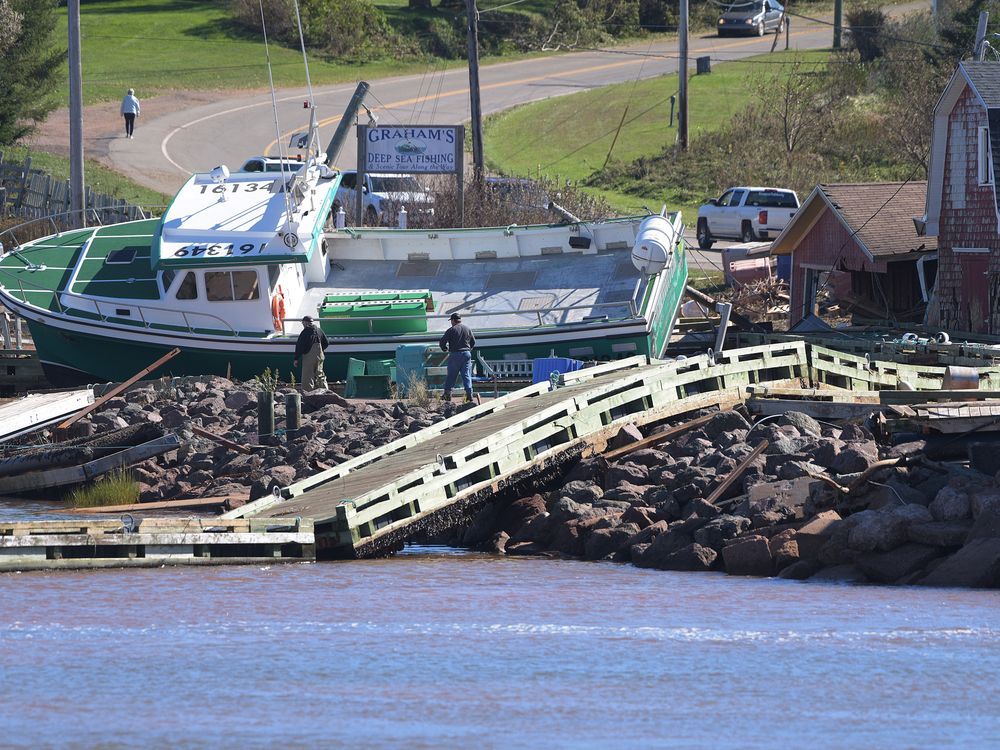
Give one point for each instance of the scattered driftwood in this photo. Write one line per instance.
(219, 439)
(658, 438)
(196, 503)
(61, 477)
(119, 388)
(736, 473)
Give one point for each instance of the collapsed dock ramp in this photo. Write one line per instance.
(372, 504)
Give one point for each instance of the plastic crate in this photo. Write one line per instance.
(542, 368)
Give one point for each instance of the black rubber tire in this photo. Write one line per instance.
(705, 240)
(747, 234)
(760, 28)
(781, 27)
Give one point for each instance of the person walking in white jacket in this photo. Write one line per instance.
(130, 110)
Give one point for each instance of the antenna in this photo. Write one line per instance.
(277, 128)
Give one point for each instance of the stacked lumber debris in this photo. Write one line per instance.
(200, 437)
(787, 496)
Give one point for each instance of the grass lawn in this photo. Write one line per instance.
(193, 44)
(98, 178)
(570, 137)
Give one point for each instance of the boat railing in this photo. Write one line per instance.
(633, 313)
(143, 310)
(59, 222)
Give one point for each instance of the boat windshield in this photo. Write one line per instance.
(400, 184)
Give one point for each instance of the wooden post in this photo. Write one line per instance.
(682, 77)
(838, 22)
(474, 103)
(293, 413)
(265, 415)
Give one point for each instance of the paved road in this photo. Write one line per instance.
(169, 147)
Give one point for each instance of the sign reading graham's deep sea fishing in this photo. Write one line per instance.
(409, 149)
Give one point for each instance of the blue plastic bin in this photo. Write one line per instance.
(542, 368)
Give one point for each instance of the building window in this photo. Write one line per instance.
(985, 158)
(223, 286)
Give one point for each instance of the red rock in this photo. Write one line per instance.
(748, 556)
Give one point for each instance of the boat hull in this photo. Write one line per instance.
(73, 357)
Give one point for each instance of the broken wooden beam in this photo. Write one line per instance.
(736, 473)
(193, 503)
(659, 437)
(219, 439)
(119, 388)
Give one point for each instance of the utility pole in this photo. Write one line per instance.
(979, 50)
(838, 22)
(682, 77)
(76, 189)
(476, 108)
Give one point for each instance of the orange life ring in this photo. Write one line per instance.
(278, 308)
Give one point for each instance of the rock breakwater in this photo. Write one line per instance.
(820, 502)
(333, 430)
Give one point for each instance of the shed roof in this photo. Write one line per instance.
(879, 215)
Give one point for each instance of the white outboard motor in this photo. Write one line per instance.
(654, 244)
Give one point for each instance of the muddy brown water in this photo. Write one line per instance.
(438, 648)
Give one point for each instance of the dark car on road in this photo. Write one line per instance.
(755, 17)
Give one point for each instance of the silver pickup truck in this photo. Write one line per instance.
(746, 214)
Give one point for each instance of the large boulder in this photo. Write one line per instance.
(749, 556)
(569, 539)
(519, 512)
(693, 557)
(725, 421)
(717, 531)
(627, 471)
(940, 533)
(950, 504)
(986, 525)
(627, 435)
(805, 424)
(886, 529)
(976, 565)
(855, 457)
(888, 567)
(603, 543)
(582, 491)
(987, 499)
(661, 548)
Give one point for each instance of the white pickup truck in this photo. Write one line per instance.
(747, 214)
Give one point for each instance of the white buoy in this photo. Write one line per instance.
(654, 245)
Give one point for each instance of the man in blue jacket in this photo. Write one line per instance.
(458, 342)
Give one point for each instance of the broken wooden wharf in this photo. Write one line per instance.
(371, 504)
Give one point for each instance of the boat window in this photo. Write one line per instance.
(245, 285)
(122, 256)
(188, 288)
(272, 275)
(222, 286)
(167, 278)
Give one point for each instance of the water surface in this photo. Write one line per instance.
(434, 649)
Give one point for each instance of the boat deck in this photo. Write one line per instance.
(115, 264)
(497, 293)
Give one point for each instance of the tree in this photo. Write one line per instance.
(10, 25)
(958, 33)
(30, 69)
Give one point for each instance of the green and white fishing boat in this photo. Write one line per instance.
(237, 259)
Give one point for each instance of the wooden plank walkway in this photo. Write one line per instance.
(362, 510)
(128, 542)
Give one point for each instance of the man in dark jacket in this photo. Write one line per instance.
(311, 348)
(458, 342)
